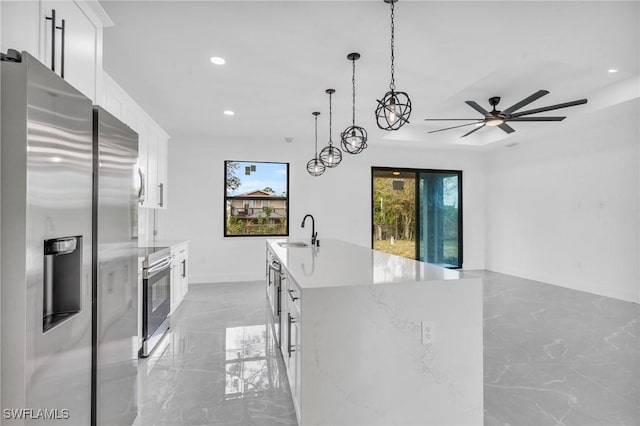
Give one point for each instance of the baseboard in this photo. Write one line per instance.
(614, 293)
(225, 278)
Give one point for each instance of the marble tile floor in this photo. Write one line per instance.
(552, 356)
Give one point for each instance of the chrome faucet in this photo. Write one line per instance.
(314, 234)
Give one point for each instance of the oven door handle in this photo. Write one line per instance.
(156, 269)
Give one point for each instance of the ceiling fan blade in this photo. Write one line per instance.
(506, 128)
(454, 127)
(537, 118)
(525, 101)
(477, 107)
(549, 108)
(451, 119)
(474, 130)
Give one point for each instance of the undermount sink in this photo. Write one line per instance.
(287, 244)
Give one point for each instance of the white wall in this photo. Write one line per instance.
(340, 200)
(563, 206)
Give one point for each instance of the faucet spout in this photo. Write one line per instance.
(314, 234)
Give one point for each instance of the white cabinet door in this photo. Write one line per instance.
(20, 26)
(294, 353)
(162, 171)
(153, 196)
(25, 27)
(291, 342)
(80, 41)
(143, 159)
(179, 274)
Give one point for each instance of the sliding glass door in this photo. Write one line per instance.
(418, 214)
(440, 220)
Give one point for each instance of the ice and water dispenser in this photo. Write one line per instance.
(62, 280)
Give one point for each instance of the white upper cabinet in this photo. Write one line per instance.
(25, 27)
(79, 44)
(152, 142)
(153, 196)
(162, 170)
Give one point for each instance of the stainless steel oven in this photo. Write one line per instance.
(156, 297)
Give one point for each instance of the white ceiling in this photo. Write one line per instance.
(281, 56)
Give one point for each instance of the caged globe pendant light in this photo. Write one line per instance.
(394, 108)
(330, 155)
(315, 166)
(354, 138)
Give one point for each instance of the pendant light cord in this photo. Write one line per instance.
(392, 85)
(330, 141)
(316, 137)
(353, 93)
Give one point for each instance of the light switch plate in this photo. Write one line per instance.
(428, 332)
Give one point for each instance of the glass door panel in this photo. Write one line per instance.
(394, 212)
(440, 222)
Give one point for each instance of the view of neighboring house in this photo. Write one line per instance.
(257, 212)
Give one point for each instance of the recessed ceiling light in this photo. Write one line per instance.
(612, 70)
(395, 173)
(228, 112)
(218, 60)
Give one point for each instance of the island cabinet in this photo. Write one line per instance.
(376, 339)
(290, 336)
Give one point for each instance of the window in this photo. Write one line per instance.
(418, 214)
(256, 199)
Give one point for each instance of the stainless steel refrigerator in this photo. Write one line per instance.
(68, 301)
(115, 148)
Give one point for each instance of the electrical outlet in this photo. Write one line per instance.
(428, 332)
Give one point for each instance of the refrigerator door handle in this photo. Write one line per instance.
(141, 192)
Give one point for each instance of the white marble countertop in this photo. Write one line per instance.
(340, 264)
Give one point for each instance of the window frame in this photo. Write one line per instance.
(224, 204)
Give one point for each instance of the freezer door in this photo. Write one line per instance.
(46, 288)
(116, 286)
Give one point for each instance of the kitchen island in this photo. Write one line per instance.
(370, 338)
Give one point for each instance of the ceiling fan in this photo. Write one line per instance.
(499, 118)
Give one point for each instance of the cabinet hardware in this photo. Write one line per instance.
(293, 299)
(141, 192)
(161, 203)
(184, 268)
(55, 27)
(52, 18)
(62, 42)
(279, 297)
(289, 346)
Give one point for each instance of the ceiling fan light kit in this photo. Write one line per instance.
(354, 138)
(330, 155)
(496, 118)
(315, 167)
(394, 109)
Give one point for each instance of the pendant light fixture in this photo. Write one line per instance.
(315, 166)
(330, 155)
(394, 108)
(354, 138)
